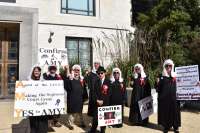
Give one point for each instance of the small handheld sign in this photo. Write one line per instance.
(109, 115)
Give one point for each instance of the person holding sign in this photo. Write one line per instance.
(76, 95)
(53, 76)
(198, 84)
(141, 90)
(38, 124)
(118, 91)
(168, 107)
(102, 95)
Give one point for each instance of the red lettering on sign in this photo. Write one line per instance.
(108, 122)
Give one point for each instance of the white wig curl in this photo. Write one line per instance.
(76, 66)
(164, 72)
(96, 61)
(120, 75)
(143, 75)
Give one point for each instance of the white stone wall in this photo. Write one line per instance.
(109, 14)
(60, 32)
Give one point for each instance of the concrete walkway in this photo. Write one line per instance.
(9, 124)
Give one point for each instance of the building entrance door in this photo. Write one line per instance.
(9, 57)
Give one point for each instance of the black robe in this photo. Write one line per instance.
(118, 93)
(101, 92)
(38, 124)
(141, 89)
(168, 106)
(76, 94)
(91, 79)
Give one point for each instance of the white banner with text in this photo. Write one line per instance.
(39, 98)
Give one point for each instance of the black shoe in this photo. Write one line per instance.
(82, 126)
(91, 131)
(71, 127)
(117, 126)
(176, 131)
(165, 130)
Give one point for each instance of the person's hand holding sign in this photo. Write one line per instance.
(198, 83)
(100, 102)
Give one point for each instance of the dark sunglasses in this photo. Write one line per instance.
(116, 73)
(168, 66)
(137, 69)
(100, 73)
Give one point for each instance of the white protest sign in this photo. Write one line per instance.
(38, 98)
(52, 56)
(146, 107)
(186, 83)
(155, 102)
(109, 115)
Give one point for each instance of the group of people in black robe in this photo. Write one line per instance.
(105, 91)
(168, 106)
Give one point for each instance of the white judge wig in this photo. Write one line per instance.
(76, 66)
(120, 75)
(143, 75)
(96, 61)
(164, 72)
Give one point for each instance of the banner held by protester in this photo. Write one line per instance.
(52, 56)
(146, 107)
(186, 82)
(39, 98)
(109, 115)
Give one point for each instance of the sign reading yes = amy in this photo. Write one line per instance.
(38, 98)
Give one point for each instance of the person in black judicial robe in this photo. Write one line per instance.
(102, 97)
(76, 95)
(91, 79)
(141, 90)
(168, 107)
(117, 91)
(38, 124)
(53, 76)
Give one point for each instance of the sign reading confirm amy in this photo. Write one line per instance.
(52, 56)
(38, 98)
(109, 115)
(186, 82)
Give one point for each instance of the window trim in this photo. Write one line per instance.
(88, 11)
(78, 40)
(9, 1)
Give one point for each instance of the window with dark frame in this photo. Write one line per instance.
(10, 1)
(79, 7)
(79, 51)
